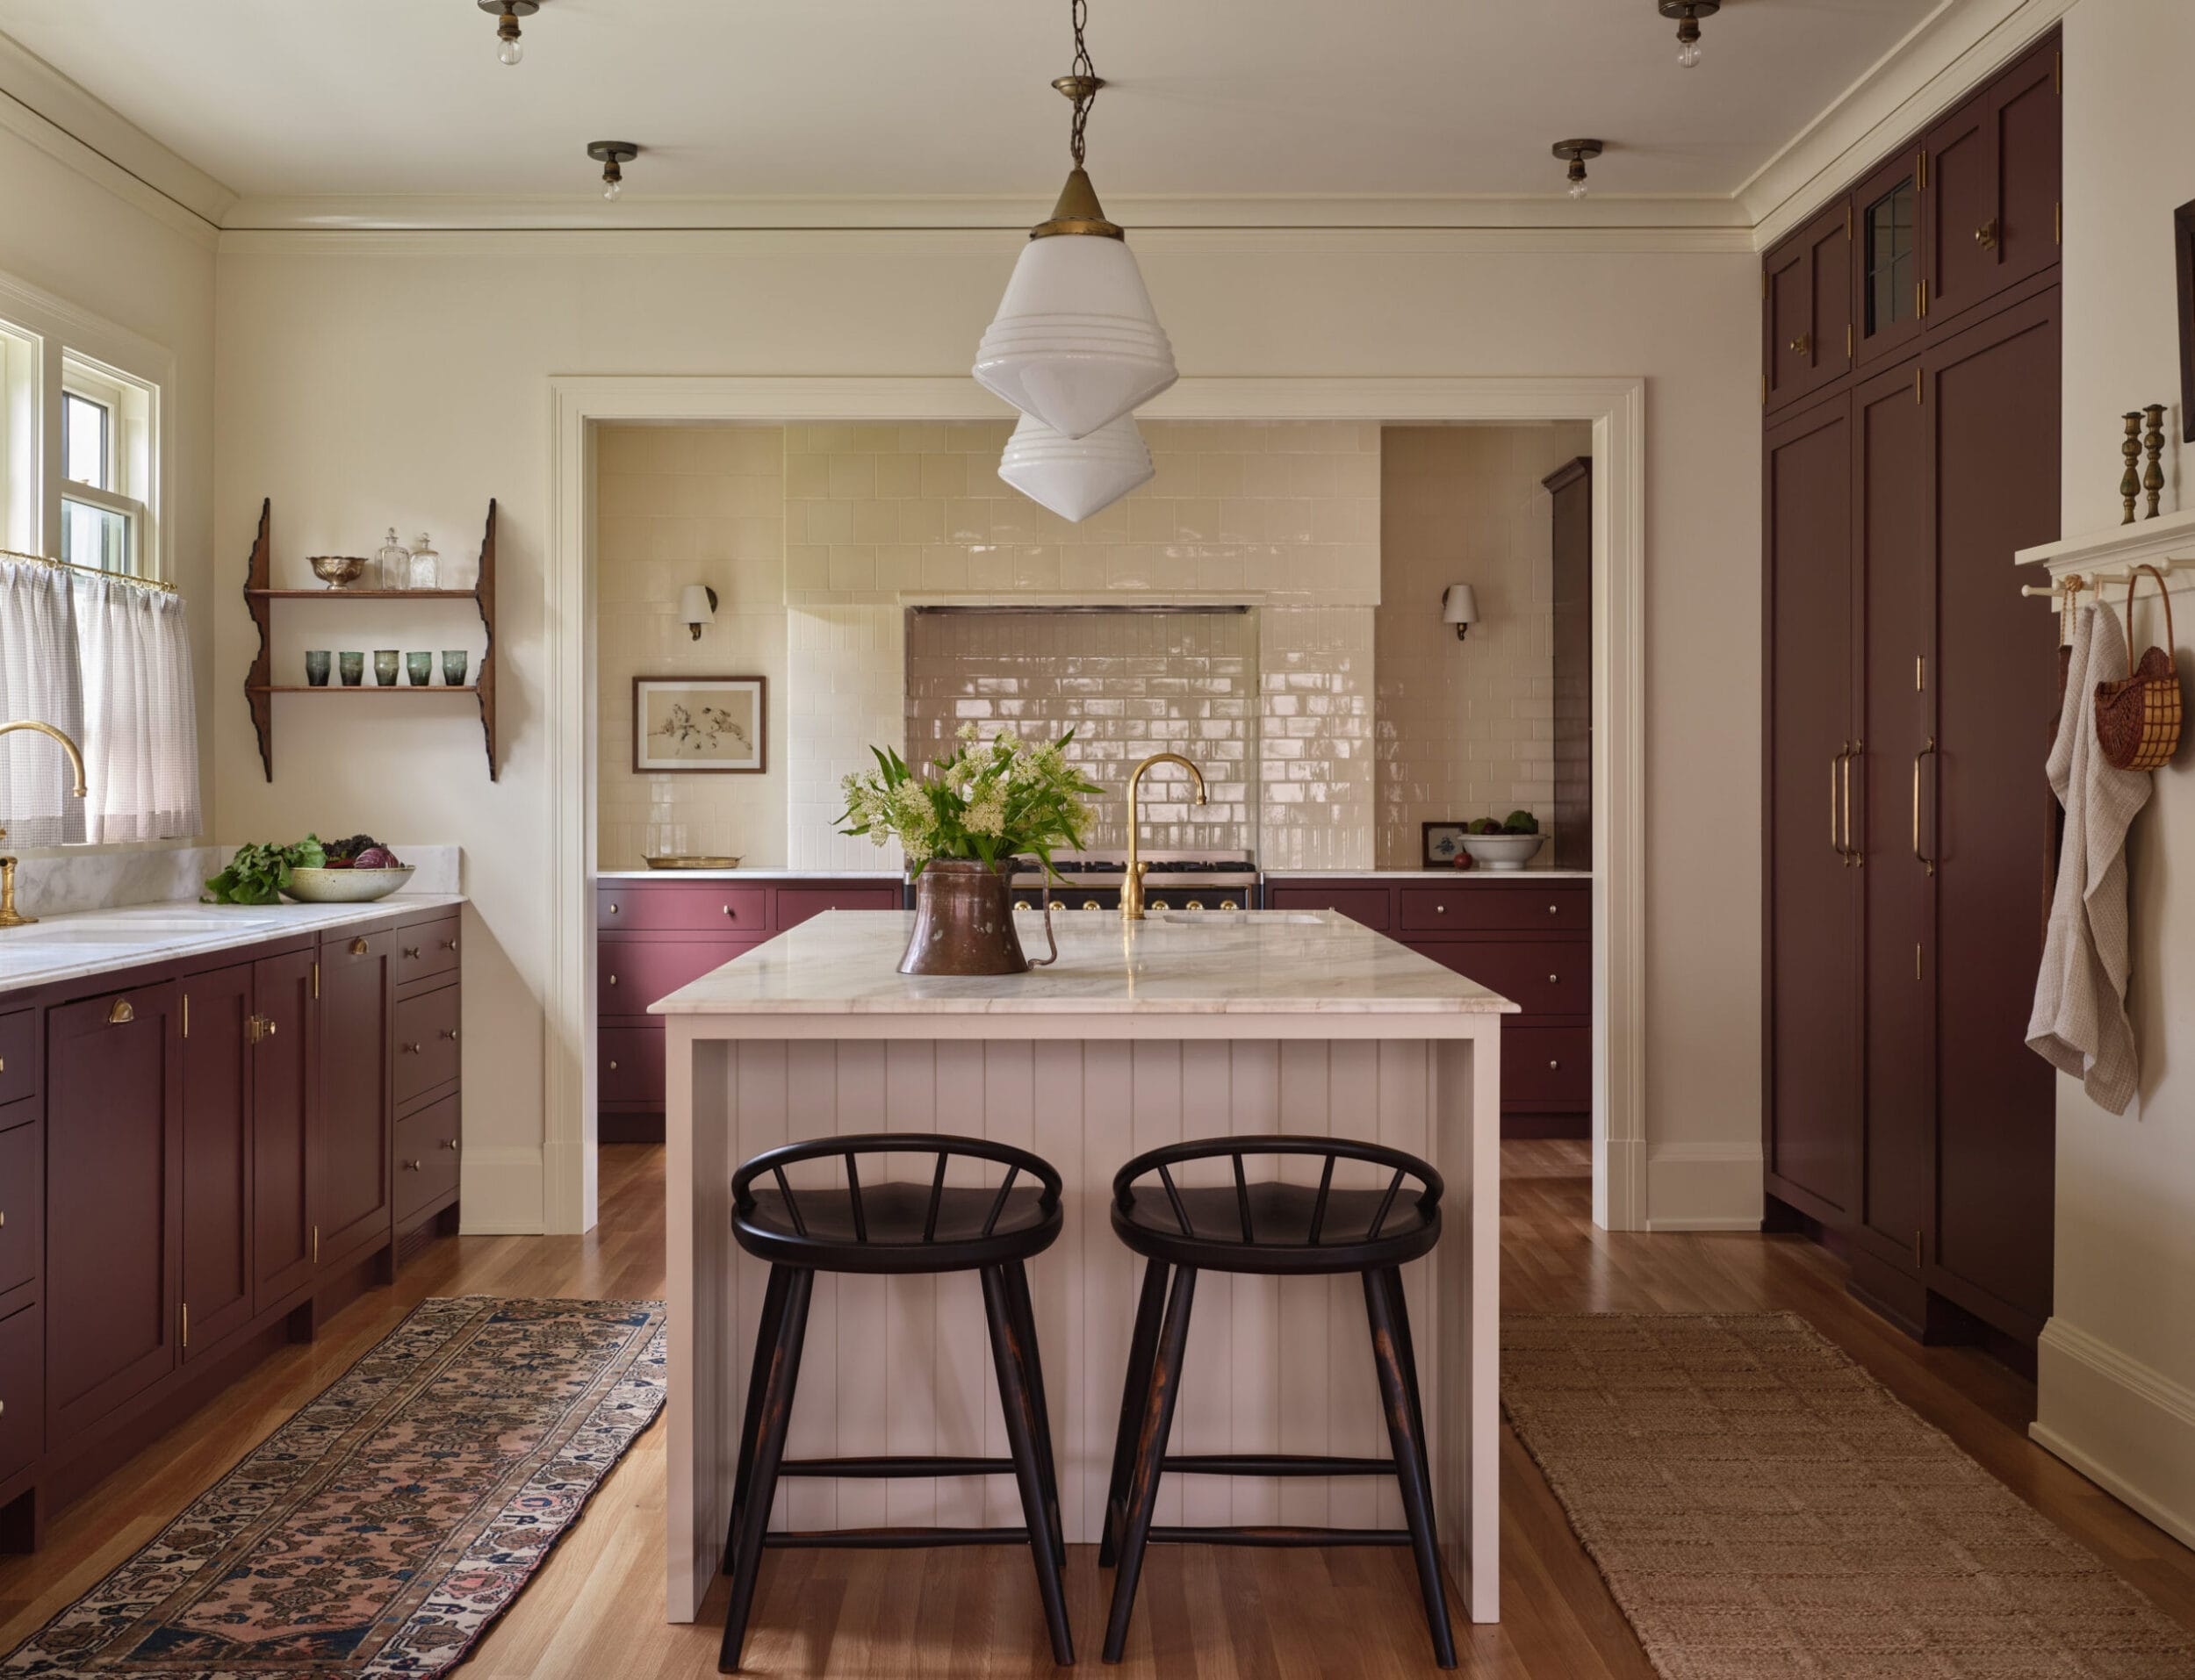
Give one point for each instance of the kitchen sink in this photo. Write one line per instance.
(125, 930)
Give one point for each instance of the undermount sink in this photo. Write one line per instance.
(123, 930)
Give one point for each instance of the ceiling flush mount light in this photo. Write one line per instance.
(1576, 152)
(613, 155)
(697, 606)
(1688, 14)
(1460, 607)
(1076, 344)
(507, 13)
(1075, 477)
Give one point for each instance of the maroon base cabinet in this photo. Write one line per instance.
(1527, 938)
(197, 1158)
(656, 934)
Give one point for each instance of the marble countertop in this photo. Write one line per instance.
(99, 942)
(865, 876)
(1262, 962)
(1470, 877)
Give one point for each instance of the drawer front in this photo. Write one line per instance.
(628, 1064)
(426, 1042)
(22, 1200)
(20, 1112)
(1472, 907)
(796, 904)
(1548, 1067)
(1540, 978)
(632, 973)
(688, 908)
(427, 1146)
(427, 949)
(1365, 904)
(18, 1046)
(21, 1390)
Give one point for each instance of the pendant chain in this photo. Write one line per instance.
(1084, 68)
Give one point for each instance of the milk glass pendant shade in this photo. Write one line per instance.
(1076, 343)
(1075, 477)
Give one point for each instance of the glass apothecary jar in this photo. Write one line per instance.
(391, 564)
(425, 571)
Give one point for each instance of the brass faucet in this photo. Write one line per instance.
(1132, 888)
(10, 917)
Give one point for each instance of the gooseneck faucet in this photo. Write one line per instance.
(10, 917)
(1132, 888)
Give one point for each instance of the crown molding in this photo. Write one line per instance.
(466, 214)
(39, 104)
(1953, 50)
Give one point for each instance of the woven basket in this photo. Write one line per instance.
(2138, 716)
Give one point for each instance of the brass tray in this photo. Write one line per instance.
(693, 863)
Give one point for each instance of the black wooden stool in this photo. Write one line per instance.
(1287, 1230)
(899, 1230)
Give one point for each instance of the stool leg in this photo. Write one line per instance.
(1134, 1389)
(1390, 1328)
(769, 1451)
(1033, 1365)
(1018, 1404)
(1158, 1421)
(758, 1379)
(1409, 1354)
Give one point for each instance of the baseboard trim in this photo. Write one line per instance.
(502, 1191)
(1704, 1187)
(2124, 1426)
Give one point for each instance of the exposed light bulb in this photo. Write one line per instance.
(511, 51)
(1578, 189)
(613, 187)
(1689, 53)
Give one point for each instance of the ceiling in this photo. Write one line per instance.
(888, 97)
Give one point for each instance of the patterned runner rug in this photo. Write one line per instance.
(383, 1528)
(1761, 1507)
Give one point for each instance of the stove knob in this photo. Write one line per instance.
(1091, 904)
(1229, 904)
(1194, 904)
(1021, 904)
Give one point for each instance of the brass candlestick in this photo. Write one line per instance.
(2130, 480)
(2153, 440)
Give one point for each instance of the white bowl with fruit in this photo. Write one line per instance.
(358, 871)
(1506, 844)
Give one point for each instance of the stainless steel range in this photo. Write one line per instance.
(1176, 881)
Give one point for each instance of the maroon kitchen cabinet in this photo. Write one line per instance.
(1993, 174)
(219, 1029)
(284, 1104)
(113, 1203)
(429, 1136)
(350, 1131)
(1806, 308)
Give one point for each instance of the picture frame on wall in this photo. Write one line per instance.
(2183, 251)
(1443, 843)
(689, 725)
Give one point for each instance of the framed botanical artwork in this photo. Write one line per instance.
(697, 723)
(1443, 843)
(2184, 245)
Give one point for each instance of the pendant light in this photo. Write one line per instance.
(1075, 477)
(1688, 14)
(1575, 152)
(510, 47)
(1076, 343)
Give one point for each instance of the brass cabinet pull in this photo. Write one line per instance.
(1554, 980)
(613, 909)
(1194, 904)
(1229, 904)
(358, 947)
(1439, 909)
(1019, 904)
(449, 1033)
(1554, 1064)
(1927, 863)
(1803, 345)
(1090, 904)
(1985, 235)
(613, 980)
(1554, 910)
(120, 1013)
(412, 1050)
(1837, 844)
(1851, 851)
(411, 1166)
(729, 911)
(411, 953)
(451, 1143)
(613, 1067)
(450, 944)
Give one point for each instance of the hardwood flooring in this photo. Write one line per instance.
(594, 1612)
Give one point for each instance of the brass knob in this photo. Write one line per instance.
(1021, 904)
(613, 980)
(266, 1027)
(613, 909)
(1985, 235)
(613, 1067)
(1554, 1064)
(728, 910)
(451, 1033)
(4, 1218)
(450, 944)
(451, 1143)
(1439, 909)
(3, 1408)
(411, 1166)
(1194, 904)
(411, 953)
(1554, 910)
(1554, 980)
(414, 1050)
(1802, 344)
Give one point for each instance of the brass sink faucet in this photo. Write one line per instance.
(1132, 888)
(10, 917)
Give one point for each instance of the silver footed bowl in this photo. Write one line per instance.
(336, 569)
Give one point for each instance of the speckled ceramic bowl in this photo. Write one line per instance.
(345, 886)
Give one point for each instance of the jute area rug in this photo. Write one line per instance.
(1761, 1507)
(381, 1530)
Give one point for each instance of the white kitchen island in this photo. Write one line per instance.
(1183, 1026)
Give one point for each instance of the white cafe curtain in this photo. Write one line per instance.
(141, 735)
(41, 680)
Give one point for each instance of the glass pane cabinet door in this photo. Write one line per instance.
(1889, 240)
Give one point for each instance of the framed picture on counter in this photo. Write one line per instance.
(698, 723)
(1443, 844)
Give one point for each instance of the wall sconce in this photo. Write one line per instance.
(1460, 607)
(697, 606)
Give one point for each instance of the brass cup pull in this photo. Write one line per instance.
(358, 947)
(1927, 862)
(1985, 235)
(120, 1013)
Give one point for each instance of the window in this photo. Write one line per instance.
(107, 452)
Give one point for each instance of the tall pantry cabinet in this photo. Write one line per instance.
(1911, 446)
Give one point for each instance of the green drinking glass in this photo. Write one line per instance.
(419, 667)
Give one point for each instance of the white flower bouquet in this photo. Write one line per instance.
(990, 802)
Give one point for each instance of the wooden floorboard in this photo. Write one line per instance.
(594, 1611)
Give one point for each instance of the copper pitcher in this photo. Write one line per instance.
(964, 923)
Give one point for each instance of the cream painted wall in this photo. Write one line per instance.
(65, 233)
(359, 368)
(2117, 1367)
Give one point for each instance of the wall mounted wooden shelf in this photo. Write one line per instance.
(260, 594)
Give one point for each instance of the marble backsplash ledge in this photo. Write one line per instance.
(61, 884)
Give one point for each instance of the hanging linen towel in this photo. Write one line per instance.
(2079, 1025)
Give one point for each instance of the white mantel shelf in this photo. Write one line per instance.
(2114, 548)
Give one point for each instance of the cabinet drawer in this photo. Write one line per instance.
(21, 1390)
(684, 908)
(22, 1199)
(19, 1068)
(1367, 904)
(426, 1042)
(1476, 908)
(1551, 1067)
(1540, 978)
(628, 1066)
(632, 973)
(427, 1146)
(796, 904)
(427, 949)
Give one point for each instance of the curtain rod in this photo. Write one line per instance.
(88, 571)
